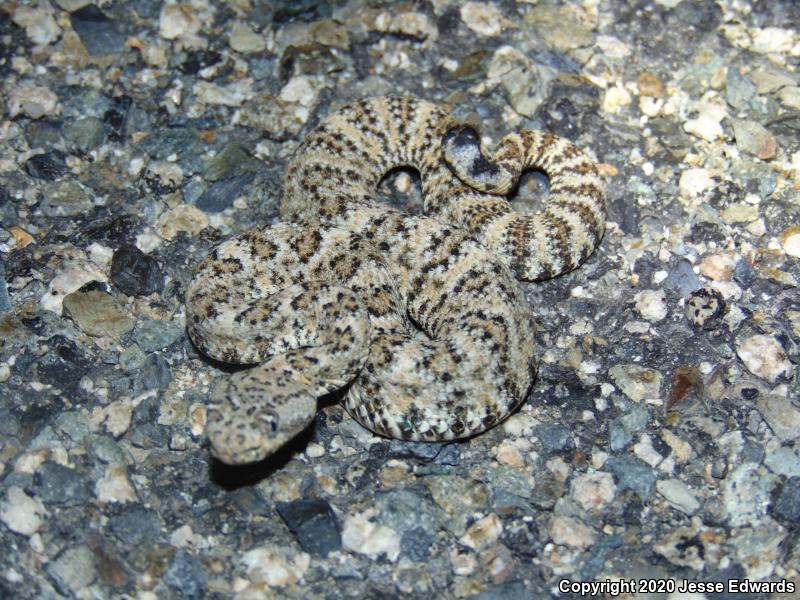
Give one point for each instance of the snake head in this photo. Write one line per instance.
(463, 153)
(250, 418)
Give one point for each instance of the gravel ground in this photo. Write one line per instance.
(661, 442)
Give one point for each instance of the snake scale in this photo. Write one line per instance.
(419, 317)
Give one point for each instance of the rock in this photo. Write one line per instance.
(615, 99)
(772, 40)
(686, 546)
(134, 272)
(233, 94)
(183, 217)
(753, 138)
(636, 382)
(66, 199)
(783, 461)
(483, 533)
(682, 278)
(569, 531)
(222, 194)
(739, 90)
(740, 212)
(186, 574)
(764, 357)
(97, 314)
(73, 570)
(622, 429)
(632, 474)
(152, 335)
(60, 485)
(48, 166)
(414, 24)
(32, 101)
(554, 437)
(593, 491)
(521, 80)
(163, 177)
(114, 485)
(361, 535)
(313, 523)
(483, 18)
(178, 20)
(695, 181)
(790, 97)
(136, 525)
(99, 34)
(652, 305)
(560, 27)
(38, 23)
(678, 495)
(782, 415)
(21, 513)
(244, 40)
(459, 498)
(790, 240)
(787, 506)
(746, 494)
(83, 135)
(275, 567)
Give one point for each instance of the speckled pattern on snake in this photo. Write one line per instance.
(420, 316)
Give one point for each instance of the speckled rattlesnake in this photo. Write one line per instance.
(339, 292)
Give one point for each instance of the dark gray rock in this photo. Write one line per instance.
(682, 278)
(99, 34)
(134, 272)
(787, 505)
(632, 474)
(622, 429)
(49, 166)
(152, 335)
(155, 374)
(221, 194)
(416, 542)
(60, 485)
(554, 437)
(135, 525)
(187, 575)
(313, 523)
(83, 135)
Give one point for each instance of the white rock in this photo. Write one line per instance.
(33, 101)
(243, 39)
(70, 279)
(704, 127)
(274, 567)
(615, 99)
(636, 382)
(483, 533)
(790, 241)
(782, 415)
(38, 23)
(783, 461)
(651, 304)
(695, 181)
(114, 485)
(21, 513)
(299, 90)
(482, 18)
(678, 495)
(361, 535)
(233, 94)
(569, 531)
(594, 490)
(764, 357)
(772, 40)
(746, 494)
(178, 20)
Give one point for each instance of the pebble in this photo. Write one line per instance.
(746, 494)
(790, 241)
(233, 94)
(593, 491)
(275, 567)
(569, 531)
(632, 474)
(313, 523)
(739, 90)
(790, 97)
(38, 23)
(782, 415)
(243, 39)
(718, 267)
(695, 181)
(183, 217)
(788, 504)
(773, 40)
(679, 495)
(636, 382)
(73, 570)
(483, 533)
(135, 273)
(83, 135)
(99, 34)
(414, 24)
(21, 513)
(152, 335)
(114, 485)
(764, 357)
(519, 77)
(33, 101)
(187, 575)
(616, 99)
(97, 314)
(707, 125)
(622, 429)
(50, 166)
(363, 536)
(66, 199)
(682, 278)
(178, 20)
(739, 212)
(482, 18)
(652, 305)
(783, 461)
(459, 498)
(559, 27)
(134, 525)
(753, 138)
(685, 546)
(58, 485)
